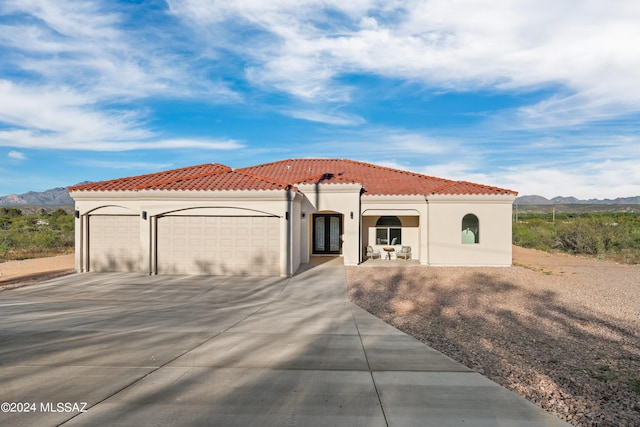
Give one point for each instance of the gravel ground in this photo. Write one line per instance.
(560, 330)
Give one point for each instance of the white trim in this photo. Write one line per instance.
(466, 198)
(390, 212)
(192, 195)
(393, 198)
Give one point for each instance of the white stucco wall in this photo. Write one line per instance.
(445, 228)
(433, 224)
(338, 198)
(155, 203)
(412, 210)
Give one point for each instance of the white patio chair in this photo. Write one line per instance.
(405, 253)
(372, 253)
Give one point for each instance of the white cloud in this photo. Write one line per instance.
(333, 118)
(29, 139)
(205, 144)
(584, 166)
(413, 143)
(62, 113)
(61, 118)
(84, 44)
(73, 18)
(302, 47)
(458, 171)
(16, 155)
(388, 146)
(118, 164)
(604, 179)
(598, 180)
(76, 60)
(86, 71)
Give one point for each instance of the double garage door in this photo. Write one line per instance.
(219, 245)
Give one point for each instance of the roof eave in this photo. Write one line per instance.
(393, 197)
(275, 194)
(255, 194)
(476, 198)
(103, 194)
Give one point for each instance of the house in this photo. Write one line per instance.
(271, 218)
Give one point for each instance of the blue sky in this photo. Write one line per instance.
(539, 96)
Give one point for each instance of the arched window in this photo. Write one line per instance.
(470, 229)
(388, 231)
(388, 221)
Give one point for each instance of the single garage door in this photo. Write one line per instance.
(114, 243)
(224, 245)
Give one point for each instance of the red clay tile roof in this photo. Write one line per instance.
(202, 177)
(376, 180)
(231, 180)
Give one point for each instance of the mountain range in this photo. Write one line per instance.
(60, 197)
(539, 200)
(54, 197)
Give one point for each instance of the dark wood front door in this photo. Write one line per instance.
(327, 229)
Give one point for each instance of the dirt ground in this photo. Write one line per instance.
(562, 331)
(559, 262)
(20, 273)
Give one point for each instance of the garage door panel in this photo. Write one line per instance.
(114, 243)
(224, 245)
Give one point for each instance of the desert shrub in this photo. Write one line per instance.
(535, 233)
(5, 246)
(60, 220)
(10, 212)
(576, 237)
(614, 235)
(37, 235)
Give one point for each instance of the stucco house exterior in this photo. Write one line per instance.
(271, 218)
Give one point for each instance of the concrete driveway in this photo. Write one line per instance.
(131, 350)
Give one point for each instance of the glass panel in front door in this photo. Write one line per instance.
(334, 234)
(319, 246)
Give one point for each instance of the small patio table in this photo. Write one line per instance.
(388, 250)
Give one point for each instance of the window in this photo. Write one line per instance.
(388, 231)
(470, 229)
(388, 221)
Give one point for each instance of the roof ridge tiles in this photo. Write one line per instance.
(320, 176)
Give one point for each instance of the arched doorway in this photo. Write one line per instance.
(327, 232)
